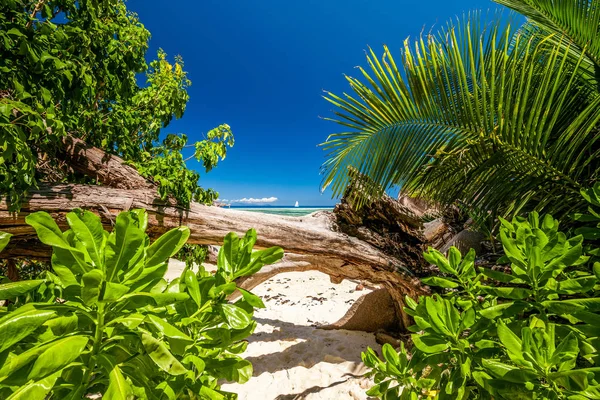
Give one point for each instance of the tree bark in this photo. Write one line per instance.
(314, 237)
(314, 242)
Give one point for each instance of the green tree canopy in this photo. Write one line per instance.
(495, 117)
(72, 67)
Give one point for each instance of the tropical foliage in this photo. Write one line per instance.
(72, 67)
(105, 320)
(494, 118)
(527, 333)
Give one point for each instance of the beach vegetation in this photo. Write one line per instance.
(104, 320)
(525, 329)
(75, 68)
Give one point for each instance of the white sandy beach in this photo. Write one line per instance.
(292, 358)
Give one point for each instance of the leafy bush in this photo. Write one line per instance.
(529, 333)
(106, 321)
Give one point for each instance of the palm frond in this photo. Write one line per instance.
(485, 115)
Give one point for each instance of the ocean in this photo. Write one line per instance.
(290, 211)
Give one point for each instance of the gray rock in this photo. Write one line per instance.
(369, 313)
(464, 241)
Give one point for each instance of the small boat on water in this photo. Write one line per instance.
(296, 205)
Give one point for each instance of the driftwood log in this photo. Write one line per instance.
(315, 242)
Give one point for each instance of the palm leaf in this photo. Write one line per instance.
(482, 114)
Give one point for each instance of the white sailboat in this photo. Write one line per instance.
(296, 205)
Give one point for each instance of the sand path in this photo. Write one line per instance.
(293, 359)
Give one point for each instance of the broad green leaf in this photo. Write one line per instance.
(47, 230)
(166, 246)
(17, 362)
(512, 343)
(436, 314)
(91, 286)
(87, 227)
(508, 372)
(166, 329)
(500, 276)
(36, 389)
(259, 259)
(14, 289)
(123, 243)
(577, 285)
(159, 353)
(567, 350)
(142, 299)
(191, 282)
(433, 256)
(429, 343)
(235, 316)
(59, 355)
(507, 292)
(16, 326)
(504, 309)
(4, 239)
(572, 305)
(440, 282)
(252, 299)
(118, 387)
(114, 291)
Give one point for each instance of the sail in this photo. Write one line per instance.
(296, 205)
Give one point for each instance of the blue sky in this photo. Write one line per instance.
(261, 65)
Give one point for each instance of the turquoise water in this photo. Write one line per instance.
(288, 211)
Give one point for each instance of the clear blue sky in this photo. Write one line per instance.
(261, 65)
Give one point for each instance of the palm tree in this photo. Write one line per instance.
(497, 118)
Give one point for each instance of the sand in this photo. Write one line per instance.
(293, 359)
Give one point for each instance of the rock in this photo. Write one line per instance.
(464, 241)
(370, 313)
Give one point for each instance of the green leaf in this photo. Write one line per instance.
(508, 372)
(114, 291)
(159, 353)
(14, 289)
(500, 276)
(429, 343)
(235, 316)
(118, 387)
(572, 305)
(4, 239)
(191, 282)
(433, 256)
(512, 343)
(87, 227)
(56, 357)
(123, 243)
(166, 329)
(252, 299)
(91, 286)
(142, 299)
(16, 326)
(504, 309)
(567, 350)
(507, 292)
(35, 390)
(47, 230)
(440, 282)
(166, 246)
(577, 285)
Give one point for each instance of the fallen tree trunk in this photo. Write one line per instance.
(314, 242)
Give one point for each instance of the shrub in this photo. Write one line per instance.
(106, 321)
(528, 333)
